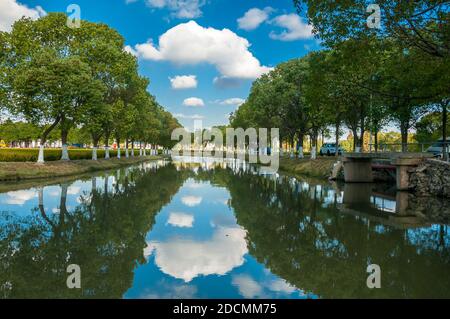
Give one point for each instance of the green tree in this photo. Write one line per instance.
(276, 100)
(93, 121)
(52, 90)
(422, 24)
(11, 132)
(101, 81)
(429, 128)
(297, 117)
(319, 96)
(415, 60)
(47, 81)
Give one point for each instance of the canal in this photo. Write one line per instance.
(198, 228)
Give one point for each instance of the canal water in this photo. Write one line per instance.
(200, 228)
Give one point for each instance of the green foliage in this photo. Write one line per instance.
(422, 24)
(46, 76)
(276, 100)
(429, 128)
(364, 83)
(396, 73)
(79, 82)
(18, 131)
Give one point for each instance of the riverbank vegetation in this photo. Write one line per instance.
(60, 80)
(26, 170)
(363, 80)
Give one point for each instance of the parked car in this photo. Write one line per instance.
(437, 148)
(330, 149)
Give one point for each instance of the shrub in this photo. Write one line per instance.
(31, 154)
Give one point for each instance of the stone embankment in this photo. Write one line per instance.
(431, 178)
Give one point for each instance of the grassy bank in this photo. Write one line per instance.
(319, 168)
(10, 171)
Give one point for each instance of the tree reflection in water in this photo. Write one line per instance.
(314, 235)
(298, 231)
(104, 234)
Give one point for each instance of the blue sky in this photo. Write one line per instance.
(211, 49)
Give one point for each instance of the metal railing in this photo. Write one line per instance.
(419, 147)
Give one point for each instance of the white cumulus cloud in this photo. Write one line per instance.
(253, 18)
(73, 190)
(182, 9)
(233, 101)
(280, 285)
(189, 117)
(191, 44)
(19, 197)
(181, 82)
(11, 11)
(247, 286)
(181, 220)
(194, 102)
(191, 201)
(187, 259)
(294, 28)
(165, 290)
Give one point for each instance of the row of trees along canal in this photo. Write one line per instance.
(364, 79)
(61, 78)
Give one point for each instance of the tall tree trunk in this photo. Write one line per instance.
(404, 125)
(314, 144)
(323, 136)
(376, 139)
(126, 148)
(118, 147)
(132, 148)
(337, 128)
(95, 141)
(291, 147)
(44, 136)
(301, 137)
(361, 136)
(444, 130)
(356, 145)
(362, 127)
(107, 146)
(316, 140)
(65, 151)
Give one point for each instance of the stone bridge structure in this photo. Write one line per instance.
(358, 166)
